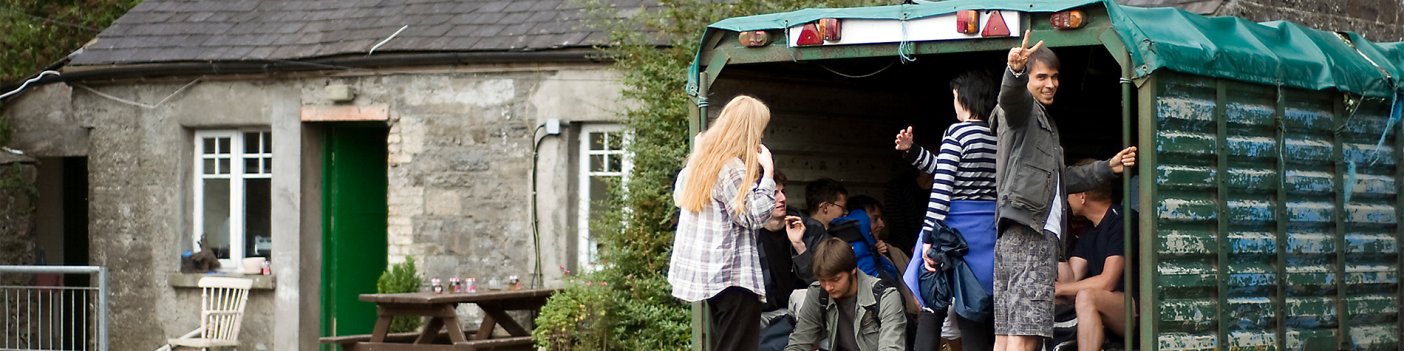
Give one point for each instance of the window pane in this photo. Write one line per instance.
(251, 165)
(258, 237)
(616, 141)
(599, 195)
(209, 146)
(215, 209)
(267, 143)
(597, 163)
(597, 141)
(223, 166)
(267, 165)
(251, 141)
(209, 166)
(223, 147)
(616, 163)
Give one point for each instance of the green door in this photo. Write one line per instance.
(353, 226)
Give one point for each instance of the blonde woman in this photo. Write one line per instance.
(725, 193)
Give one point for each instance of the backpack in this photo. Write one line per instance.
(875, 309)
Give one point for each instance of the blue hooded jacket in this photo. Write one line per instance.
(865, 249)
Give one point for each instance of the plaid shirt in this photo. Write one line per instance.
(713, 248)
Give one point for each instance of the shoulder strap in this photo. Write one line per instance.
(878, 289)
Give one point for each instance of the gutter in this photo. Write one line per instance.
(80, 73)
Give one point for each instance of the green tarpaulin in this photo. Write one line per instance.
(1273, 53)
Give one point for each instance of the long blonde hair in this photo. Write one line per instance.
(736, 134)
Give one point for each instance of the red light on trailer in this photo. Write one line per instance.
(830, 29)
(809, 35)
(1073, 19)
(754, 38)
(995, 26)
(968, 21)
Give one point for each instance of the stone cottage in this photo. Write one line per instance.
(329, 137)
(335, 137)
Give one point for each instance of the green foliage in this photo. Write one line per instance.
(400, 278)
(39, 33)
(652, 50)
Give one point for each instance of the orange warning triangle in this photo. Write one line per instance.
(995, 27)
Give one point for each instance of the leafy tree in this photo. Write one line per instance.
(627, 305)
(41, 33)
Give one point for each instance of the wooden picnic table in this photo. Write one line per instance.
(440, 308)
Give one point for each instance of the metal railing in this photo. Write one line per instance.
(41, 313)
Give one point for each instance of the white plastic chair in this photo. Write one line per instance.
(222, 303)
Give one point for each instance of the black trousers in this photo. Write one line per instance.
(928, 334)
(735, 320)
(974, 336)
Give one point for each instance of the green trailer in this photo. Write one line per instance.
(1269, 184)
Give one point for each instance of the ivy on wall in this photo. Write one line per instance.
(627, 304)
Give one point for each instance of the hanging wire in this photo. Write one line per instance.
(845, 75)
(27, 82)
(135, 103)
(905, 50)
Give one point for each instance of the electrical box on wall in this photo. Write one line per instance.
(339, 93)
(553, 126)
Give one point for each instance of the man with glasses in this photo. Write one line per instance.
(826, 200)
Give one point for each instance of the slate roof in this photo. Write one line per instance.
(253, 30)
(1202, 7)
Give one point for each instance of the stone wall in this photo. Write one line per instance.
(1377, 20)
(17, 199)
(460, 157)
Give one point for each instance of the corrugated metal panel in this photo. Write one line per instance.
(1274, 218)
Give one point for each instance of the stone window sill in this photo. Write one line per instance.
(191, 280)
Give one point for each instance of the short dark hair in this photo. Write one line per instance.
(1045, 55)
(833, 256)
(1099, 192)
(864, 202)
(778, 176)
(976, 91)
(820, 191)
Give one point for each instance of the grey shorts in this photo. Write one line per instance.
(1026, 265)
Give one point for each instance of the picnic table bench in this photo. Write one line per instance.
(444, 331)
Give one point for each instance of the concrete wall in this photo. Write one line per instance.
(44, 122)
(460, 150)
(1377, 20)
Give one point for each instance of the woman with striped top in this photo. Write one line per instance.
(962, 195)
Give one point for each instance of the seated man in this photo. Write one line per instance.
(782, 247)
(847, 310)
(1096, 265)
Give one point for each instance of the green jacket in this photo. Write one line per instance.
(816, 323)
(1030, 156)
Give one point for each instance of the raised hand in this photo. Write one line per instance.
(1019, 57)
(904, 139)
(1123, 159)
(766, 161)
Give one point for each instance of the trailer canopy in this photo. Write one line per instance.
(1272, 53)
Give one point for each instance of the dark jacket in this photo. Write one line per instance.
(1030, 156)
(885, 331)
(814, 233)
(785, 270)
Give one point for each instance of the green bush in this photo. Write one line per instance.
(400, 278)
(633, 310)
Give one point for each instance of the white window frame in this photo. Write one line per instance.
(586, 251)
(237, 174)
